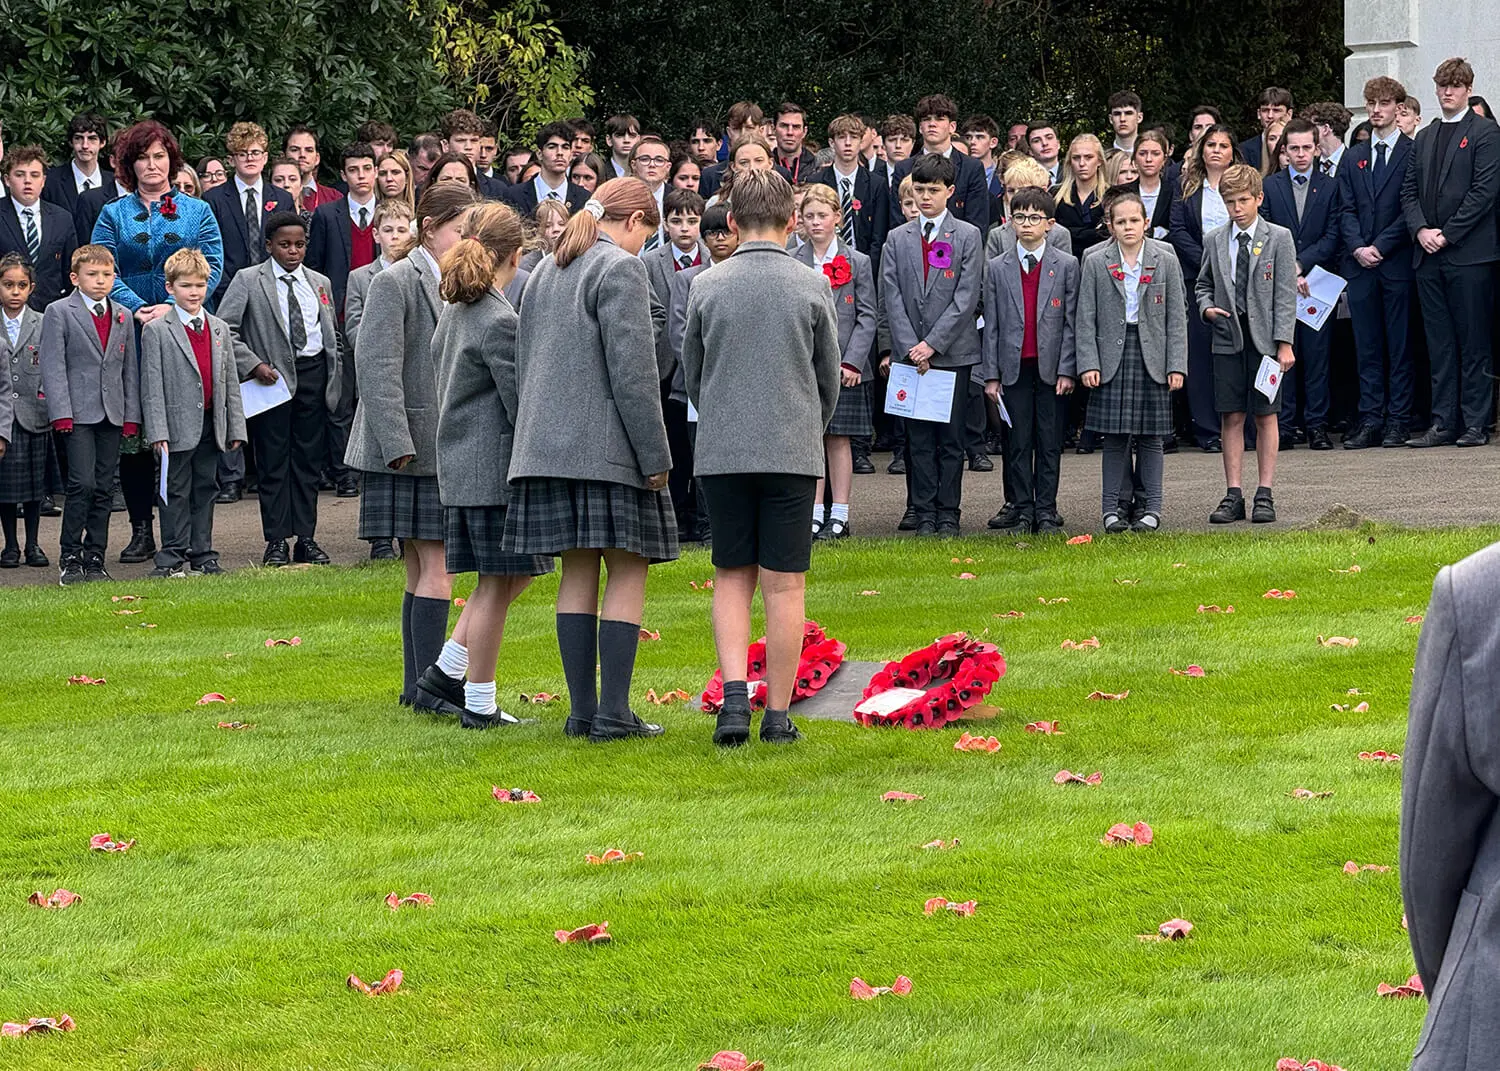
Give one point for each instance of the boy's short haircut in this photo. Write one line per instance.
(904, 189)
(299, 128)
(617, 125)
(1034, 199)
(1209, 110)
(392, 208)
(1125, 98)
(280, 161)
(461, 121)
(715, 220)
(647, 139)
(1039, 124)
(88, 123)
(1413, 105)
(556, 129)
(1166, 130)
(982, 123)
(1026, 173)
(687, 202)
(491, 129)
(1298, 126)
(279, 220)
(705, 124)
(932, 167)
(372, 130)
(423, 144)
(245, 136)
(846, 124)
(356, 150)
(518, 150)
(1454, 71)
(1331, 112)
(1274, 97)
(582, 127)
(26, 154)
(187, 263)
(745, 113)
(91, 254)
(762, 201)
(1385, 87)
(1240, 178)
(823, 195)
(898, 126)
(936, 106)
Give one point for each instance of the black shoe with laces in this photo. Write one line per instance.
(276, 553)
(228, 494)
(897, 467)
(1048, 522)
(307, 550)
(1231, 509)
(348, 487)
(70, 572)
(862, 465)
(909, 521)
(211, 567)
(93, 569)
(35, 557)
(1363, 437)
(50, 508)
(980, 463)
(10, 558)
(1010, 516)
(381, 550)
(142, 545)
(608, 727)
(1317, 439)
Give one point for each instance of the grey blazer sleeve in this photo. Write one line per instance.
(354, 306)
(1176, 312)
(505, 373)
(692, 349)
(826, 356)
(232, 312)
(865, 316)
(903, 334)
(1067, 359)
(1086, 340)
(234, 402)
(55, 363)
(1204, 286)
(133, 377)
(153, 388)
(630, 361)
(1284, 326)
(959, 313)
(379, 370)
(7, 418)
(989, 341)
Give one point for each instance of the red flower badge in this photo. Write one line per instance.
(1464, 144)
(838, 271)
(1057, 303)
(1361, 164)
(1145, 279)
(854, 204)
(269, 206)
(168, 208)
(323, 296)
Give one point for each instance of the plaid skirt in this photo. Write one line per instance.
(471, 544)
(400, 507)
(551, 515)
(28, 471)
(1132, 403)
(852, 416)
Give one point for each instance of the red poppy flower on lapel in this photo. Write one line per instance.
(1057, 303)
(1361, 164)
(1464, 144)
(323, 296)
(1145, 279)
(120, 318)
(854, 204)
(269, 206)
(838, 271)
(168, 209)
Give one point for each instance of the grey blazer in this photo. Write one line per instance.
(397, 412)
(356, 293)
(1450, 795)
(23, 362)
(676, 323)
(1005, 316)
(474, 348)
(589, 401)
(172, 387)
(252, 309)
(940, 311)
(1272, 295)
(516, 287)
(85, 382)
(661, 269)
(856, 305)
(1002, 239)
(1162, 313)
(765, 391)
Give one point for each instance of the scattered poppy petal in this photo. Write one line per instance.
(1309, 794)
(1354, 691)
(125, 598)
(80, 679)
(901, 797)
(1011, 615)
(416, 899)
(1379, 756)
(1215, 608)
(540, 697)
(1046, 728)
(940, 845)
(1287, 1063)
(59, 900)
(1277, 593)
(677, 695)
(1345, 708)
(1353, 869)
(1416, 619)
(1068, 777)
(1412, 987)
(389, 984)
(614, 855)
(1139, 834)
(213, 697)
(860, 989)
(295, 641)
(648, 634)
(1171, 930)
(1051, 602)
(103, 842)
(1127, 581)
(236, 725)
(1193, 670)
(707, 585)
(869, 591)
(1090, 644)
(514, 795)
(901, 987)
(128, 613)
(1351, 569)
(595, 933)
(1109, 695)
(60, 1025)
(1179, 565)
(976, 743)
(1338, 641)
(460, 602)
(937, 903)
(1079, 540)
(729, 1060)
(1403, 920)
(966, 576)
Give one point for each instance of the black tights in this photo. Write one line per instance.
(32, 511)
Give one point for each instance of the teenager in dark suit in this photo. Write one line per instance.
(937, 120)
(301, 144)
(864, 197)
(554, 152)
(1448, 195)
(1273, 105)
(1305, 201)
(792, 155)
(1046, 149)
(41, 231)
(982, 135)
(66, 182)
(243, 204)
(1157, 188)
(1377, 265)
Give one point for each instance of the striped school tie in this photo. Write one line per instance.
(33, 236)
(846, 211)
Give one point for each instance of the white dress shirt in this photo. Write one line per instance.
(95, 180)
(826, 258)
(307, 301)
(437, 272)
(1214, 212)
(354, 208)
(1234, 247)
(187, 318)
(1389, 141)
(1333, 160)
(12, 327)
(240, 186)
(1149, 199)
(543, 191)
(937, 222)
(1457, 117)
(1022, 253)
(1133, 287)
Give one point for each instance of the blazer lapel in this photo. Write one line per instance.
(1224, 268)
(1111, 257)
(11, 225)
(31, 326)
(269, 283)
(1048, 278)
(180, 336)
(1393, 163)
(418, 264)
(1460, 136)
(346, 234)
(85, 319)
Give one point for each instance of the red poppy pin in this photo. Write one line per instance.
(1057, 303)
(1361, 164)
(1145, 279)
(848, 299)
(323, 296)
(1464, 144)
(120, 317)
(269, 206)
(854, 204)
(168, 208)
(838, 271)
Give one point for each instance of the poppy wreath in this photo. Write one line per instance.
(954, 674)
(821, 656)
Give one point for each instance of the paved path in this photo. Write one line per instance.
(1422, 488)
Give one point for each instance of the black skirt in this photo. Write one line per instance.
(471, 544)
(549, 516)
(852, 416)
(28, 471)
(392, 506)
(1132, 403)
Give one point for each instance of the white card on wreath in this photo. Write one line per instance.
(889, 701)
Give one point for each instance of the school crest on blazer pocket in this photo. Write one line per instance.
(1159, 299)
(1268, 273)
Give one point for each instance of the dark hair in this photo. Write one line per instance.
(616, 125)
(132, 144)
(1274, 96)
(1041, 124)
(25, 154)
(299, 128)
(982, 123)
(1298, 126)
(276, 220)
(679, 200)
(556, 129)
(582, 126)
(1204, 109)
(936, 106)
(1193, 171)
(425, 143)
(372, 130)
(461, 121)
(788, 108)
(1336, 115)
(677, 162)
(1125, 98)
(708, 126)
(491, 129)
(933, 167)
(1034, 198)
(594, 162)
(715, 220)
(442, 204)
(356, 150)
(898, 126)
(1367, 129)
(88, 123)
(1476, 101)
(452, 158)
(21, 260)
(1118, 195)
(518, 150)
(492, 233)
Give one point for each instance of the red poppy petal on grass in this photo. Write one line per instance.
(1139, 834)
(1171, 930)
(595, 933)
(647, 634)
(1090, 644)
(295, 641)
(901, 797)
(869, 591)
(940, 844)
(460, 602)
(1010, 615)
(389, 984)
(128, 613)
(1215, 608)
(1277, 593)
(125, 598)
(1309, 794)
(965, 576)
(540, 697)
(1412, 987)
(677, 695)
(1379, 756)
(1338, 641)
(860, 989)
(213, 697)
(937, 903)
(1353, 869)
(81, 679)
(1345, 708)
(707, 585)
(1068, 777)
(514, 795)
(901, 987)
(976, 743)
(730, 1060)
(1046, 728)
(1109, 695)
(614, 855)
(59, 900)
(1079, 540)
(1351, 569)
(103, 842)
(60, 1025)
(1287, 1063)
(416, 899)
(236, 725)
(1416, 619)
(1193, 670)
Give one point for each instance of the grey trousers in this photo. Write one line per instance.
(187, 516)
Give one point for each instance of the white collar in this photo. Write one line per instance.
(938, 220)
(35, 206)
(677, 254)
(1022, 252)
(1235, 231)
(1389, 141)
(383, 262)
(851, 176)
(1335, 156)
(1122, 148)
(17, 320)
(1457, 118)
(827, 258)
(299, 272)
(1307, 175)
(355, 206)
(542, 189)
(437, 273)
(78, 174)
(188, 317)
(241, 186)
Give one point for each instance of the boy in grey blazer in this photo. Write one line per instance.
(932, 276)
(1253, 315)
(92, 379)
(192, 411)
(763, 409)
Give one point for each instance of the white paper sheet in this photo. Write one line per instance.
(889, 701)
(920, 397)
(1324, 289)
(161, 484)
(258, 397)
(1268, 378)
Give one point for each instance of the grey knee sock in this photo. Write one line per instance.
(429, 628)
(1149, 464)
(736, 695)
(617, 645)
(408, 674)
(577, 643)
(1114, 470)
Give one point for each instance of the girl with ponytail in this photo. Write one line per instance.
(590, 459)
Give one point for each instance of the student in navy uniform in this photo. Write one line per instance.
(66, 182)
(937, 120)
(1157, 189)
(792, 155)
(41, 231)
(1046, 148)
(1125, 115)
(554, 152)
(621, 132)
(1449, 195)
(1272, 106)
(982, 135)
(704, 141)
(91, 202)
(590, 459)
(1305, 201)
(932, 275)
(242, 204)
(1080, 192)
(1377, 265)
(27, 463)
(863, 194)
(463, 131)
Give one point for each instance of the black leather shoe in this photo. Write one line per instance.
(836, 528)
(438, 692)
(909, 521)
(897, 467)
(1317, 439)
(1437, 435)
(608, 727)
(980, 463)
(1114, 524)
(927, 528)
(468, 719)
(348, 487)
(947, 530)
(1395, 435)
(1366, 436)
(381, 550)
(1010, 516)
(70, 572)
(862, 465)
(276, 553)
(1473, 437)
(576, 726)
(1048, 523)
(10, 558)
(1264, 511)
(50, 508)
(324, 483)
(1169, 445)
(229, 494)
(307, 550)
(142, 545)
(1213, 446)
(732, 728)
(780, 730)
(93, 569)
(35, 558)
(211, 567)
(117, 502)
(1231, 509)
(1288, 441)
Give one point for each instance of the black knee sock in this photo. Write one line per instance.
(8, 522)
(33, 513)
(617, 645)
(408, 674)
(577, 643)
(429, 629)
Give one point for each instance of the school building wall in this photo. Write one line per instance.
(1407, 39)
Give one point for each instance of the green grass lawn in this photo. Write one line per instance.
(771, 876)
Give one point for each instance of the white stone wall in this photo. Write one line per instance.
(1407, 39)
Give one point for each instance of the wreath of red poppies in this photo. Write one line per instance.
(821, 655)
(954, 674)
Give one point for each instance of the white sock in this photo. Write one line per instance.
(454, 661)
(479, 698)
(818, 512)
(839, 512)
